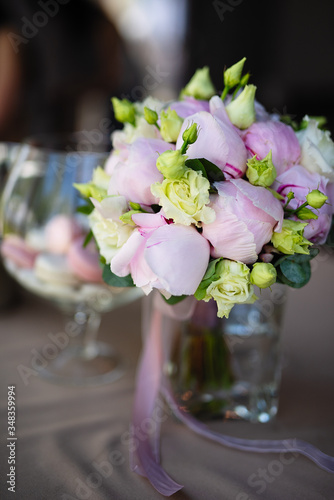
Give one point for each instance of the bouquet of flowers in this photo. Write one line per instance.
(210, 195)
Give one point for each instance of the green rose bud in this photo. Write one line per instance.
(171, 124)
(316, 199)
(232, 75)
(200, 86)
(244, 80)
(261, 172)
(232, 286)
(291, 240)
(184, 199)
(124, 111)
(172, 164)
(290, 196)
(190, 134)
(305, 214)
(135, 206)
(127, 217)
(241, 111)
(263, 275)
(150, 115)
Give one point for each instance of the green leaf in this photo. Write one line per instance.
(174, 299)
(208, 278)
(113, 280)
(213, 172)
(196, 164)
(283, 280)
(330, 237)
(88, 238)
(301, 258)
(278, 259)
(297, 273)
(86, 209)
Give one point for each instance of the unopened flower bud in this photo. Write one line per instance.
(241, 111)
(200, 86)
(232, 75)
(261, 172)
(171, 124)
(305, 214)
(316, 199)
(124, 110)
(171, 164)
(263, 275)
(190, 134)
(150, 115)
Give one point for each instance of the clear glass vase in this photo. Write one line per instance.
(227, 368)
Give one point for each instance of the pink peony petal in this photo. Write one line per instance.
(262, 199)
(211, 142)
(230, 238)
(179, 256)
(120, 264)
(133, 178)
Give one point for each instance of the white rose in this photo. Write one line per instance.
(233, 287)
(317, 149)
(185, 199)
(110, 233)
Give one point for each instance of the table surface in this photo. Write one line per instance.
(72, 442)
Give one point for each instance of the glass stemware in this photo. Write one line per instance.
(8, 288)
(43, 249)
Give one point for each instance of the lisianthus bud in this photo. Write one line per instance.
(124, 110)
(305, 213)
(200, 86)
(244, 80)
(291, 240)
(261, 172)
(263, 275)
(190, 134)
(232, 75)
(316, 199)
(241, 111)
(171, 124)
(150, 115)
(171, 164)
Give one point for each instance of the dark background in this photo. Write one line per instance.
(288, 44)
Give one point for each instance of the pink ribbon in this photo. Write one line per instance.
(145, 460)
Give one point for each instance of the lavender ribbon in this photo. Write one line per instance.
(145, 460)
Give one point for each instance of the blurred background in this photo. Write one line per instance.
(62, 60)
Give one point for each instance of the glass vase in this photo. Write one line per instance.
(227, 368)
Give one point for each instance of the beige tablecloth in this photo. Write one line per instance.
(72, 442)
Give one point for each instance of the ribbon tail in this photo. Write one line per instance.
(145, 459)
(324, 461)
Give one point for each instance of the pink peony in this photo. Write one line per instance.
(261, 137)
(300, 181)
(133, 177)
(246, 217)
(218, 142)
(189, 106)
(170, 257)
